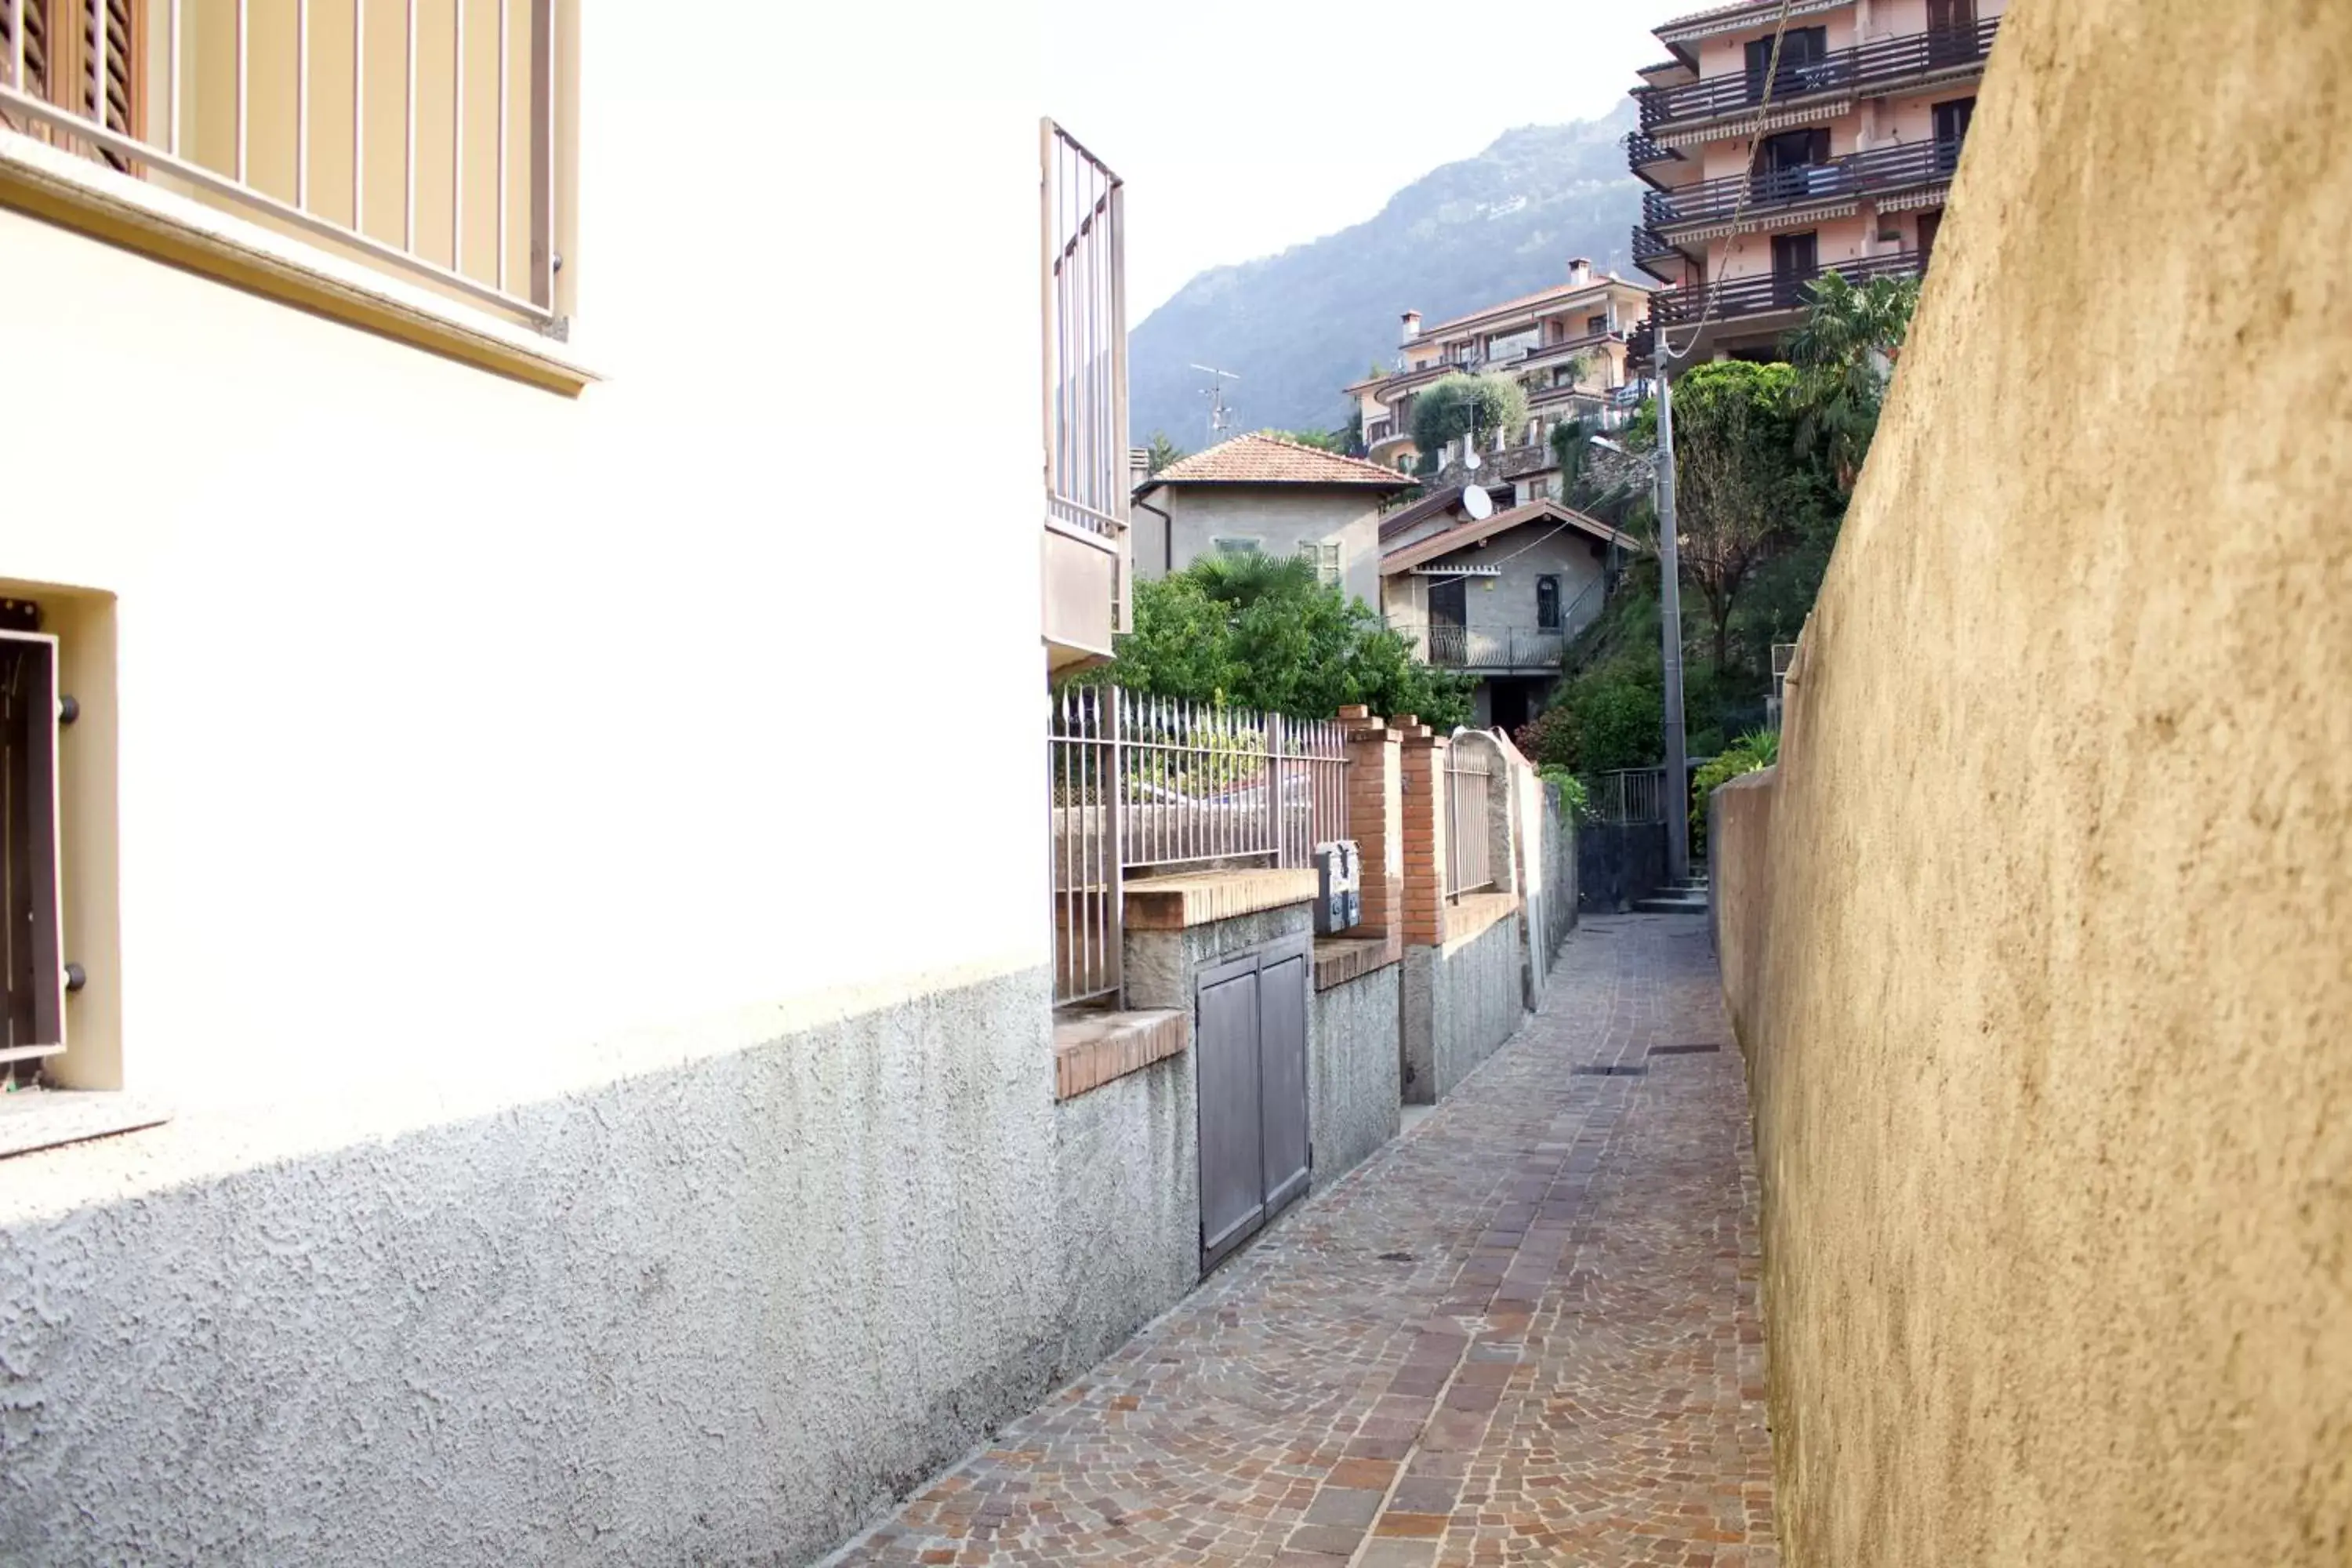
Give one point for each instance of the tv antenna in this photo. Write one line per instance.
(1220, 418)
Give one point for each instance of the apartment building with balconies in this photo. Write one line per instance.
(1858, 129)
(1565, 344)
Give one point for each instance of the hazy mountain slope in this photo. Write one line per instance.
(1300, 325)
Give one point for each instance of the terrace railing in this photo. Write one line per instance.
(1873, 173)
(1769, 292)
(1864, 69)
(290, 114)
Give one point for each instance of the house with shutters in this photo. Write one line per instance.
(1498, 592)
(1265, 494)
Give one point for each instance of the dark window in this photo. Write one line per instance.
(1796, 262)
(30, 926)
(1794, 164)
(1803, 51)
(1951, 129)
(1547, 604)
(1951, 32)
(1930, 223)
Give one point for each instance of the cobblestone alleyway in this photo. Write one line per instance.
(1526, 1332)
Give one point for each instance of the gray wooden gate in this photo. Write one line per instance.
(1250, 1016)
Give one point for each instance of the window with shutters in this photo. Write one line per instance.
(1325, 556)
(420, 137)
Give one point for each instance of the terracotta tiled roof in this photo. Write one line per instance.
(1263, 459)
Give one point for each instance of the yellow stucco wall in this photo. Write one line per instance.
(2052, 1032)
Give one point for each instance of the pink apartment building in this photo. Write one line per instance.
(1863, 118)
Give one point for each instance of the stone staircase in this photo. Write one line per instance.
(1687, 897)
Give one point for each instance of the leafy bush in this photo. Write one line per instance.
(1575, 800)
(1259, 631)
(1756, 749)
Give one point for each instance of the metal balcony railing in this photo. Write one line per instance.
(1641, 151)
(1869, 69)
(1769, 292)
(1488, 648)
(482, 224)
(1876, 172)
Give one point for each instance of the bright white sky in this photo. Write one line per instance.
(1243, 127)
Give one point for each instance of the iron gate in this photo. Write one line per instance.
(1250, 1030)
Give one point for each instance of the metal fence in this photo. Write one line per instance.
(1469, 791)
(85, 74)
(1086, 337)
(1628, 796)
(1151, 782)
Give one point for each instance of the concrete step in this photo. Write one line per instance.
(1672, 903)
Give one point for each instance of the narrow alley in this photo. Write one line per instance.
(1527, 1331)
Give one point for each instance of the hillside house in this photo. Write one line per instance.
(1566, 345)
(1262, 493)
(1499, 597)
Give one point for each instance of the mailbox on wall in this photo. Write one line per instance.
(1338, 886)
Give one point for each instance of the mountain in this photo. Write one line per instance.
(1301, 325)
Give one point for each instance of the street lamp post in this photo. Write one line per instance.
(1677, 793)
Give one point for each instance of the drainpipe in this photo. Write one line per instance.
(1167, 536)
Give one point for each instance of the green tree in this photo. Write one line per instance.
(1321, 440)
(1445, 410)
(1164, 451)
(1844, 353)
(1259, 631)
(1738, 482)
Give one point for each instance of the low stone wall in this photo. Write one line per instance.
(1739, 844)
(1462, 1001)
(1560, 836)
(721, 1312)
(1129, 1172)
(1352, 1069)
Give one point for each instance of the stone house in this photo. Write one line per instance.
(1265, 494)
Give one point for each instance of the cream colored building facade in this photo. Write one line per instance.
(480, 875)
(1862, 121)
(1566, 345)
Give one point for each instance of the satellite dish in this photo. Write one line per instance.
(1470, 459)
(1478, 503)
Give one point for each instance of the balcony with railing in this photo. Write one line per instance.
(1865, 69)
(429, 155)
(1087, 458)
(1486, 649)
(1768, 292)
(1880, 171)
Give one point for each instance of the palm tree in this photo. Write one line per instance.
(1844, 352)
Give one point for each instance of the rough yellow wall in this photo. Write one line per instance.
(2053, 1048)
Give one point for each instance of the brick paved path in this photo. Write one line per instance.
(1525, 1332)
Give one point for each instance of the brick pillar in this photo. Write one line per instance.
(1425, 833)
(1376, 821)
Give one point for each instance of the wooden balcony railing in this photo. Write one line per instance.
(1868, 69)
(1769, 292)
(1876, 171)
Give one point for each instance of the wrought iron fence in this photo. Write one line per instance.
(1628, 796)
(1469, 791)
(188, 111)
(1150, 781)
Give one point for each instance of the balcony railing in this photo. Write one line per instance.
(1769, 292)
(1088, 462)
(1864, 68)
(1641, 151)
(301, 149)
(1873, 173)
(1484, 647)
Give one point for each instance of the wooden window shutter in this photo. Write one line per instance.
(62, 65)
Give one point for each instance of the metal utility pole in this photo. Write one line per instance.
(1670, 635)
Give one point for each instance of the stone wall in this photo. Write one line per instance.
(2052, 1087)
(1129, 1175)
(721, 1312)
(1352, 1070)
(1615, 865)
(1462, 1001)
